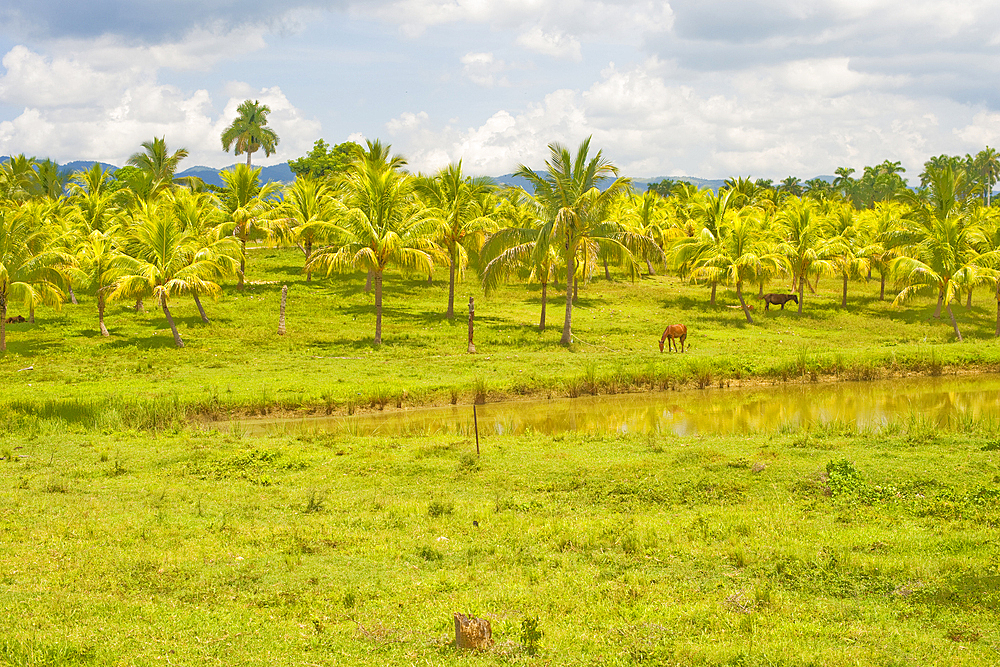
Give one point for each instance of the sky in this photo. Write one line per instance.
(703, 88)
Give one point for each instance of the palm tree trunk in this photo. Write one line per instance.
(607, 273)
(3, 322)
(714, 285)
(309, 248)
(248, 158)
(881, 295)
(72, 296)
(545, 300)
(954, 324)
(760, 290)
(802, 293)
(100, 314)
(378, 307)
(843, 296)
(743, 304)
(451, 288)
(368, 282)
(197, 302)
(139, 305)
(31, 313)
(940, 303)
(567, 334)
(997, 334)
(968, 303)
(170, 320)
(649, 267)
(243, 254)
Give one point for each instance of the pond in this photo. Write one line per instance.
(939, 400)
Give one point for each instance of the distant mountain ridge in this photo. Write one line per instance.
(282, 173)
(279, 173)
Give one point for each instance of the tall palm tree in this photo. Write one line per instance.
(511, 250)
(99, 263)
(249, 131)
(247, 205)
(987, 163)
(200, 217)
(382, 225)
(30, 272)
(741, 256)
(307, 214)
(159, 264)
(456, 206)
(803, 243)
(576, 214)
(850, 249)
(940, 235)
(713, 213)
(881, 221)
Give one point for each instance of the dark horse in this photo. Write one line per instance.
(678, 331)
(778, 300)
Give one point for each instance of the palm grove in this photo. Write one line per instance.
(139, 233)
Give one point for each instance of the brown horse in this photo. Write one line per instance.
(678, 331)
(778, 300)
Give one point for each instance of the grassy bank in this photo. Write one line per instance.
(61, 366)
(822, 547)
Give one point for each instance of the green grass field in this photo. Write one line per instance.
(326, 361)
(132, 534)
(822, 547)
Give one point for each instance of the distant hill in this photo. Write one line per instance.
(280, 173)
(638, 184)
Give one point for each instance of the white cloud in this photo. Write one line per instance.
(78, 110)
(484, 70)
(556, 44)
(651, 126)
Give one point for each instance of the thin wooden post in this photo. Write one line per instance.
(281, 316)
(472, 316)
(475, 422)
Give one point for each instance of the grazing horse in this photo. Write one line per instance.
(678, 331)
(778, 300)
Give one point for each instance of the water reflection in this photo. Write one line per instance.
(712, 411)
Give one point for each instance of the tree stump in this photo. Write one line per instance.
(472, 632)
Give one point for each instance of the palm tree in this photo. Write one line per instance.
(247, 205)
(456, 206)
(576, 214)
(18, 177)
(713, 212)
(29, 271)
(849, 249)
(306, 215)
(941, 237)
(881, 221)
(158, 162)
(249, 131)
(987, 164)
(511, 250)
(741, 256)
(159, 264)
(200, 218)
(99, 262)
(803, 243)
(382, 225)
